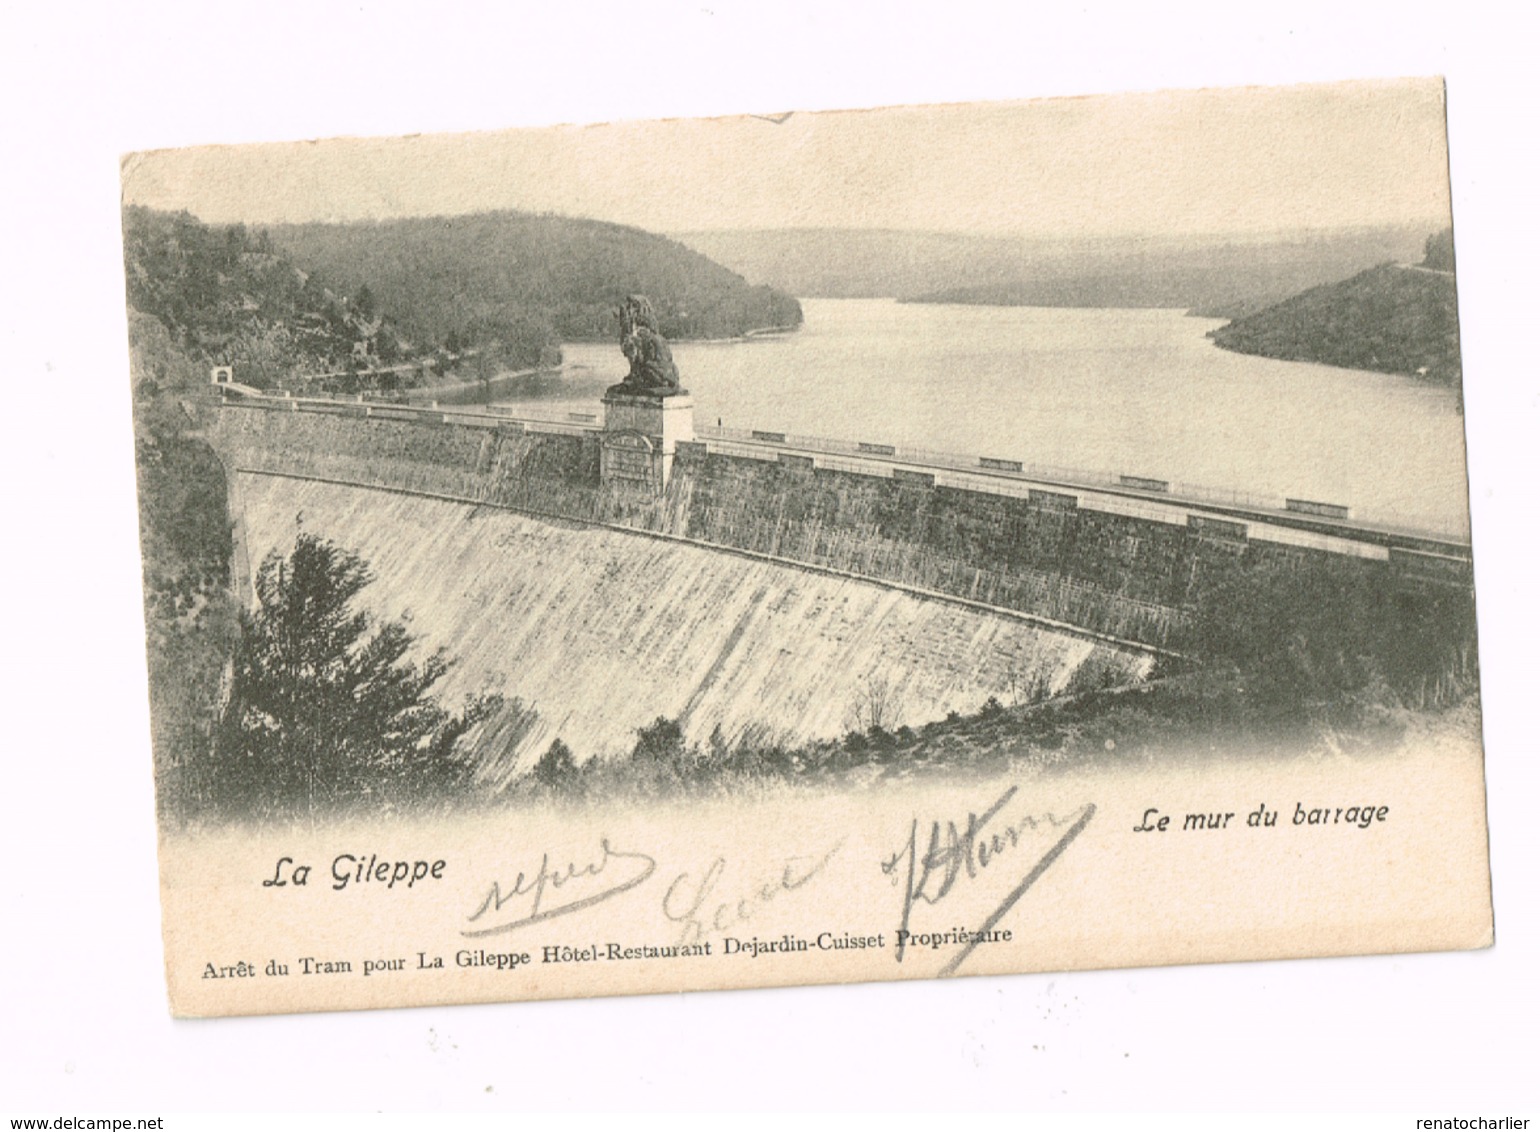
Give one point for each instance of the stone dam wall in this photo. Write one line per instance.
(1127, 577)
(755, 599)
(592, 632)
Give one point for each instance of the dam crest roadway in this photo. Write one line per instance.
(1318, 525)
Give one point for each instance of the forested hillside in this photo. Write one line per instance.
(1390, 318)
(185, 540)
(227, 295)
(462, 279)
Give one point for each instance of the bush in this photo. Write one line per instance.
(1315, 640)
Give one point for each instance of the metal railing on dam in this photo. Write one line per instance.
(1160, 492)
(1210, 511)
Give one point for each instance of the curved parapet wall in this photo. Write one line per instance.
(846, 523)
(1105, 561)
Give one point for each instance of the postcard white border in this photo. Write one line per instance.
(82, 956)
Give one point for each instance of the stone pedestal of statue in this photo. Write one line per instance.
(640, 434)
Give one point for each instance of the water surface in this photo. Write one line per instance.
(1137, 392)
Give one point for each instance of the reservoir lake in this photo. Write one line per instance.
(1115, 392)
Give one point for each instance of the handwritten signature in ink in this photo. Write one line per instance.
(704, 905)
(956, 853)
(584, 884)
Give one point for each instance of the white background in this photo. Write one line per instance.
(85, 1025)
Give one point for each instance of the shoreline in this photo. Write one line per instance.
(753, 332)
(455, 392)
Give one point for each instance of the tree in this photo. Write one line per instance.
(660, 741)
(874, 705)
(325, 709)
(1438, 250)
(557, 765)
(365, 303)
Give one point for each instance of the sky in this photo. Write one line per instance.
(1232, 160)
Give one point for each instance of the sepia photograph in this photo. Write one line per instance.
(946, 485)
(754, 558)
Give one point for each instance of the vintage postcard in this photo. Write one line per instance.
(806, 547)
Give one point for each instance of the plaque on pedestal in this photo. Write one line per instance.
(640, 433)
